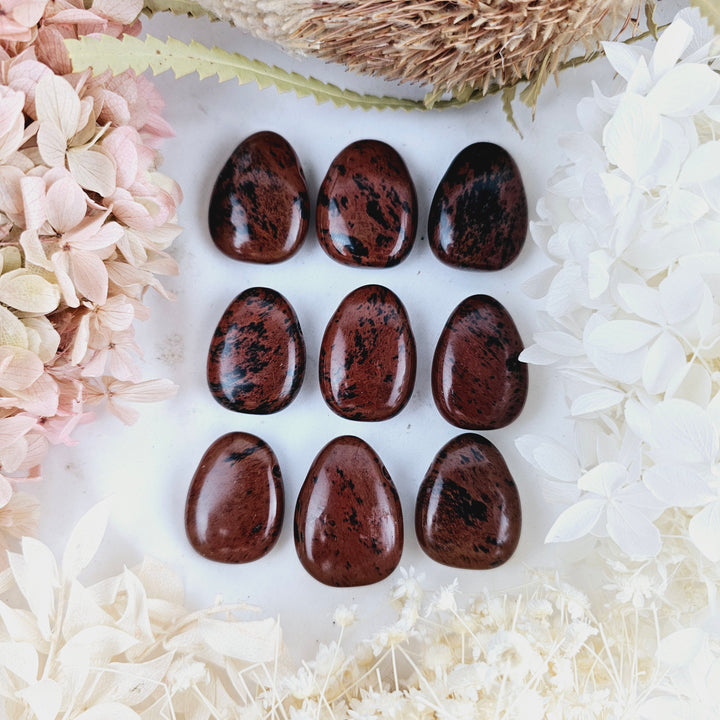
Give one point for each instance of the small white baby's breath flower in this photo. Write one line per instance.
(345, 616)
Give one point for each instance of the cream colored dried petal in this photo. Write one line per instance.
(28, 292)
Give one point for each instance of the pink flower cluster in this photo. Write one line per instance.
(85, 222)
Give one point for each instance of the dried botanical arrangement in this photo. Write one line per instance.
(85, 220)
(126, 648)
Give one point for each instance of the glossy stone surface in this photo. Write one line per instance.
(367, 356)
(468, 508)
(367, 207)
(235, 503)
(259, 208)
(478, 382)
(256, 361)
(348, 520)
(479, 216)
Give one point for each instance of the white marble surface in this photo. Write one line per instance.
(147, 468)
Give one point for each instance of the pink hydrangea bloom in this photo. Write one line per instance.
(85, 223)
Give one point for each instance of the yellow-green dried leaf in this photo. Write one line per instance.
(117, 55)
(12, 330)
(10, 258)
(711, 10)
(650, 6)
(28, 292)
(508, 95)
(178, 7)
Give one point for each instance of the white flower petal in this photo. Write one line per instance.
(702, 165)
(57, 103)
(680, 648)
(704, 530)
(109, 711)
(595, 401)
(671, 44)
(677, 485)
(622, 57)
(575, 522)
(665, 358)
(633, 137)
(44, 697)
(604, 479)
(85, 540)
(684, 90)
(622, 336)
(559, 343)
(634, 534)
(683, 431)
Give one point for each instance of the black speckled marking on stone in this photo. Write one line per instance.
(487, 384)
(348, 525)
(367, 356)
(367, 206)
(479, 216)
(256, 361)
(235, 502)
(259, 207)
(468, 512)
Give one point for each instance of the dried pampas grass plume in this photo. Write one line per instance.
(459, 46)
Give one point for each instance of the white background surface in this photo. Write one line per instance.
(147, 468)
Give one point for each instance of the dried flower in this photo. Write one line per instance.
(85, 220)
(630, 308)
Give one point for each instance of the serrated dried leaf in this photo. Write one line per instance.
(710, 9)
(107, 53)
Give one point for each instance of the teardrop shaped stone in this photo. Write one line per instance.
(478, 382)
(367, 356)
(348, 519)
(235, 503)
(479, 216)
(256, 361)
(259, 208)
(367, 206)
(468, 508)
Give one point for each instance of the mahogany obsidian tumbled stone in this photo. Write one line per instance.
(348, 520)
(479, 217)
(235, 503)
(367, 207)
(367, 356)
(256, 361)
(478, 381)
(259, 208)
(468, 508)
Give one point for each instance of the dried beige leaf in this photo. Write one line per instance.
(44, 698)
(84, 541)
(92, 170)
(28, 292)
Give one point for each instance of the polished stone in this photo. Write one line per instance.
(235, 503)
(259, 208)
(367, 207)
(348, 519)
(256, 361)
(468, 507)
(367, 356)
(479, 216)
(478, 382)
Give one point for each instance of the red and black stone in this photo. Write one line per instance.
(259, 208)
(256, 361)
(367, 206)
(478, 381)
(468, 511)
(235, 503)
(479, 216)
(367, 356)
(348, 520)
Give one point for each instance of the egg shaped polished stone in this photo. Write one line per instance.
(259, 208)
(348, 520)
(367, 207)
(367, 356)
(479, 216)
(235, 503)
(468, 507)
(256, 361)
(478, 382)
